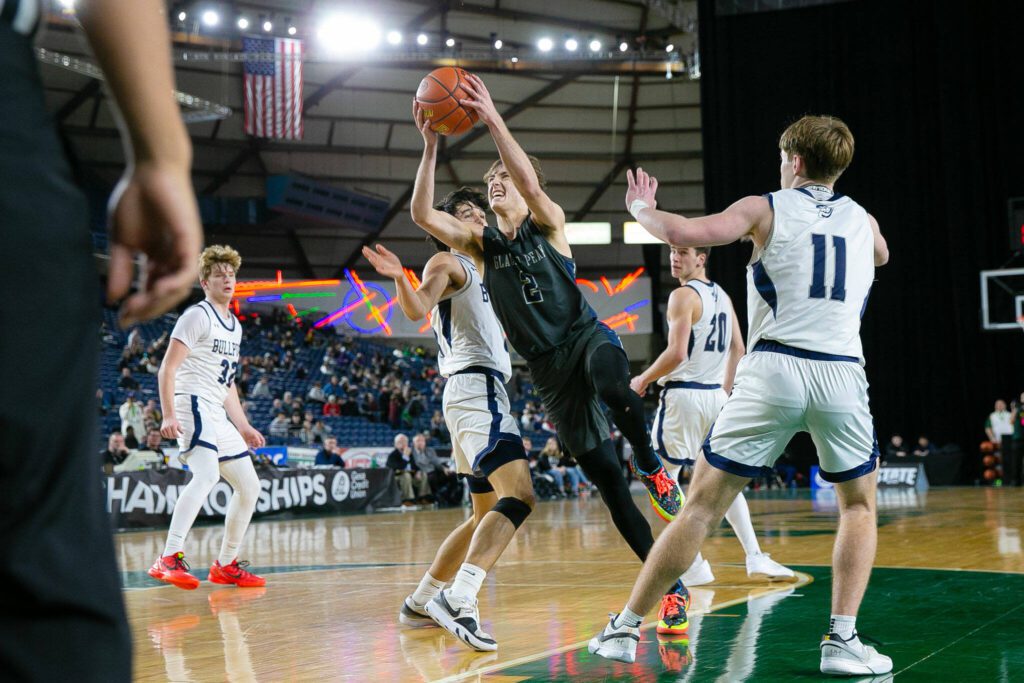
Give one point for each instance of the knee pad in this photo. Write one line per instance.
(478, 485)
(515, 510)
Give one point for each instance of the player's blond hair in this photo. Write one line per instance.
(534, 161)
(217, 254)
(824, 143)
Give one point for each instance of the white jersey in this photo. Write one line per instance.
(209, 369)
(708, 349)
(467, 331)
(808, 287)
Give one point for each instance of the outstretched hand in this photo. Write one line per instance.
(479, 99)
(423, 124)
(643, 187)
(384, 262)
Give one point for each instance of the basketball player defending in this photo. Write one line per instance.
(696, 373)
(815, 253)
(486, 444)
(202, 411)
(575, 361)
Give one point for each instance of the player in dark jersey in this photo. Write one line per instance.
(576, 362)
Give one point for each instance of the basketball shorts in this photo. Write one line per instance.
(686, 411)
(784, 390)
(477, 411)
(206, 425)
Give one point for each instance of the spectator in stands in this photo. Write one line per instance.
(329, 454)
(131, 414)
(288, 397)
(999, 424)
(279, 427)
(130, 440)
(154, 443)
(277, 406)
(262, 388)
(439, 428)
(316, 394)
(102, 402)
(332, 408)
(295, 426)
(548, 463)
(528, 420)
(411, 481)
(895, 448)
(368, 407)
(439, 473)
(116, 452)
(577, 479)
(924, 447)
(333, 388)
(127, 381)
(395, 409)
(306, 435)
(151, 416)
(321, 431)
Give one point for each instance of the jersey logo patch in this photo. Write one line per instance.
(824, 210)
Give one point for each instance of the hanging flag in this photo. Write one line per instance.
(273, 87)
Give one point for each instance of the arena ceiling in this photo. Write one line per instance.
(359, 132)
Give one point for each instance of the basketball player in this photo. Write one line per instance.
(61, 609)
(696, 373)
(486, 445)
(203, 412)
(815, 253)
(575, 361)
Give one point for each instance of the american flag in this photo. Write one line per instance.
(273, 88)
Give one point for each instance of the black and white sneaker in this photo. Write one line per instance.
(616, 642)
(851, 657)
(460, 617)
(414, 614)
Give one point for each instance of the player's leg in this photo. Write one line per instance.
(601, 465)
(240, 473)
(171, 567)
(608, 370)
(449, 557)
(760, 565)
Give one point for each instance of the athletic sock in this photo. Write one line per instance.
(843, 626)
(738, 516)
(628, 617)
(428, 588)
(468, 581)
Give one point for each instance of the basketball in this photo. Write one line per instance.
(438, 98)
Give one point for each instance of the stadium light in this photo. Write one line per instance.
(498, 44)
(588, 233)
(595, 45)
(182, 15)
(67, 5)
(268, 26)
(450, 42)
(515, 60)
(210, 18)
(394, 38)
(571, 44)
(346, 34)
(292, 30)
(634, 233)
(243, 23)
(670, 47)
(421, 39)
(545, 44)
(623, 46)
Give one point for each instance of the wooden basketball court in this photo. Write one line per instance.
(946, 599)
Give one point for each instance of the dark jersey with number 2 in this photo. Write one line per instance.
(533, 290)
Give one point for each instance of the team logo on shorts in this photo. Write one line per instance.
(340, 486)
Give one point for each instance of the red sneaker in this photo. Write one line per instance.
(173, 569)
(672, 619)
(235, 573)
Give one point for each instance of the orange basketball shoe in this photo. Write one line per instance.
(672, 620)
(173, 569)
(235, 573)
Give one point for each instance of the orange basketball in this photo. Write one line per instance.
(438, 98)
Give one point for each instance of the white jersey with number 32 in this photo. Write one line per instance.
(808, 286)
(209, 369)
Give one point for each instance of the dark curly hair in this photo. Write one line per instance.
(450, 204)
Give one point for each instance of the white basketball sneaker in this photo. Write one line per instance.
(616, 642)
(851, 657)
(762, 566)
(460, 617)
(699, 574)
(414, 614)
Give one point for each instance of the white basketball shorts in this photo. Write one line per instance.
(686, 411)
(785, 390)
(206, 425)
(477, 412)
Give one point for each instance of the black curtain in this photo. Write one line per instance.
(934, 95)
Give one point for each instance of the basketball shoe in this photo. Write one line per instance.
(460, 617)
(672, 620)
(762, 566)
(235, 573)
(615, 642)
(699, 574)
(666, 496)
(173, 569)
(851, 657)
(414, 614)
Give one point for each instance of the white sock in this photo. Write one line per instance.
(628, 617)
(843, 626)
(428, 588)
(241, 474)
(738, 516)
(202, 462)
(468, 581)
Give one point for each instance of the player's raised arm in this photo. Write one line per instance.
(736, 350)
(442, 273)
(881, 247)
(466, 237)
(545, 212)
(749, 216)
(684, 306)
